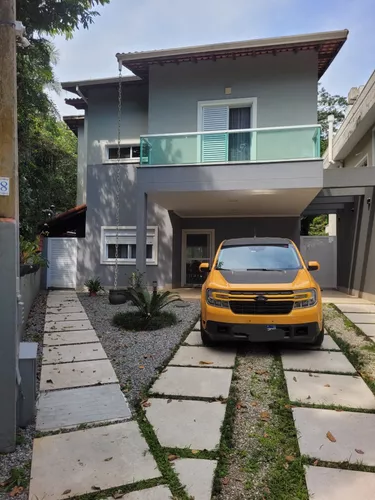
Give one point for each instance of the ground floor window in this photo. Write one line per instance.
(127, 245)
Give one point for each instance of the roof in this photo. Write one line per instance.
(107, 82)
(327, 44)
(74, 121)
(356, 124)
(71, 221)
(255, 241)
(77, 103)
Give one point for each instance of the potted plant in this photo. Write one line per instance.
(94, 286)
(30, 256)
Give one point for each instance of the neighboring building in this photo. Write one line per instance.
(352, 152)
(217, 141)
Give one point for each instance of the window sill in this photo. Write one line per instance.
(116, 162)
(122, 263)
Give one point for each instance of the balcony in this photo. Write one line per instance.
(258, 145)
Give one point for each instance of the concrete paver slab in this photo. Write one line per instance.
(64, 309)
(204, 357)
(361, 318)
(336, 297)
(53, 293)
(322, 361)
(343, 390)
(157, 493)
(102, 457)
(324, 483)
(328, 345)
(186, 424)
(80, 374)
(367, 329)
(75, 337)
(194, 338)
(68, 300)
(356, 308)
(197, 475)
(71, 407)
(61, 326)
(180, 381)
(197, 326)
(72, 353)
(64, 316)
(355, 439)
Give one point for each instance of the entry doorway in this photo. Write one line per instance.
(198, 246)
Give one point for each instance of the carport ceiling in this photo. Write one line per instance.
(280, 202)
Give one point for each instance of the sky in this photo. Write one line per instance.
(135, 25)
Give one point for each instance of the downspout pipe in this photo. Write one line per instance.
(79, 92)
(331, 120)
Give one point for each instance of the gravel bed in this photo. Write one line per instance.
(21, 457)
(136, 356)
(254, 397)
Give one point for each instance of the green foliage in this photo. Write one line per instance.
(30, 252)
(94, 285)
(150, 304)
(317, 226)
(47, 148)
(136, 279)
(329, 105)
(137, 322)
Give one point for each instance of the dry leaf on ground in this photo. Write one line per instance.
(146, 404)
(327, 385)
(254, 403)
(316, 462)
(290, 458)
(264, 415)
(194, 452)
(16, 491)
(108, 459)
(141, 367)
(261, 372)
(117, 495)
(331, 437)
(206, 362)
(66, 492)
(225, 480)
(172, 457)
(360, 452)
(294, 378)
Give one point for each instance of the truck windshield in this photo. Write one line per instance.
(258, 258)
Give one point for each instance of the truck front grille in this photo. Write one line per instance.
(267, 307)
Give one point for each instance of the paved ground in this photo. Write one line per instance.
(331, 435)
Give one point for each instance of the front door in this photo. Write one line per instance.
(197, 247)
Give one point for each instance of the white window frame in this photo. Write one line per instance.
(104, 259)
(361, 161)
(241, 102)
(131, 145)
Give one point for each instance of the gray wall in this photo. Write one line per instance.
(356, 248)
(102, 122)
(285, 85)
(29, 287)
(101, 210)
(225, 228)
(81, 165)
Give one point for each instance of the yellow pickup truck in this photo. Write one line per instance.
(260, 290)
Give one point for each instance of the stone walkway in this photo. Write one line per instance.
(188, 407)
(79, 387)
(325, 378)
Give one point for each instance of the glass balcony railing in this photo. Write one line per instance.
(230, 146)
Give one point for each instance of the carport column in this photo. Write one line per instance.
(141, 231)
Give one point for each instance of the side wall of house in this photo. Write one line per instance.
(81, 165)
(364, 147)
(285, 86)
(101, 211)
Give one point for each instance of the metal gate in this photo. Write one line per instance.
(62, 259)
(324, 250)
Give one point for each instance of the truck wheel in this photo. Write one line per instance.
(206, 339)
(319, 339)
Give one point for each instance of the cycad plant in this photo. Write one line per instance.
(150, 304)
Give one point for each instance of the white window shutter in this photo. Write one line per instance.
(215, 146)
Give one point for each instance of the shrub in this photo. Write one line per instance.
(94, 286)
(134, 320)
(150, 304)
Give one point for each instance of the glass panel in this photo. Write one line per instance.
(124, 153)
(148, 251)
(197, 246)
(193, 275)
(133, 251)
(254, 145)
(122, 251)
(135, 151)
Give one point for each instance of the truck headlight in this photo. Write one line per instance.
(305, 298)
(216, 301)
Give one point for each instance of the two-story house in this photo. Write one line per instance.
(217, 141)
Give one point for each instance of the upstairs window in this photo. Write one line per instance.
(127, 153)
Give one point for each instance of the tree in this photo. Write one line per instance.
(47, 148)
(329, 105)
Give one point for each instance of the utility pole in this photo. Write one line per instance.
(9, 239)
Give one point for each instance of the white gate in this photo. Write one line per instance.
(324, 250)
(62, 261)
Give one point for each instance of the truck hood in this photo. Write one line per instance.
(261, 280)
